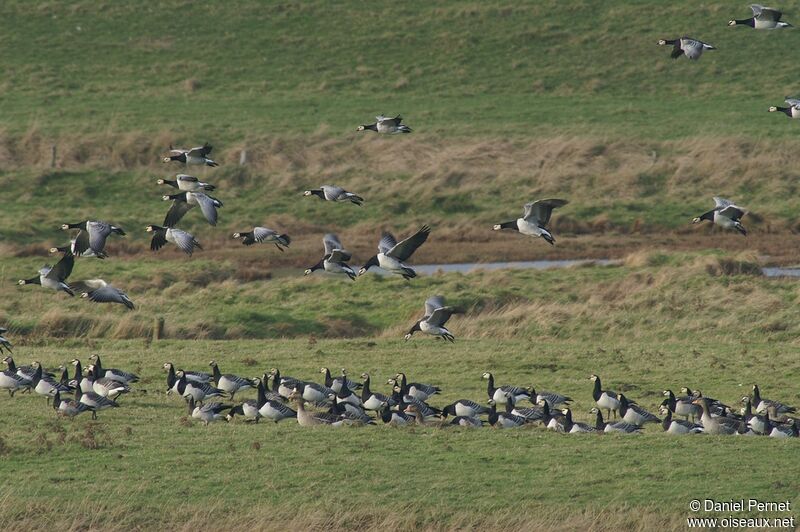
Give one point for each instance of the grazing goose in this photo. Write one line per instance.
(682, 406)
(575, 427)
(761, 404)
(553, 399)
(717, 424)
(604, 398)
(198, 391)
(99, 291)
(434, 320)
(187, 183)
(418, 390)
(464, 408)
(4, 344)
(633, 413)
(335, 258)
(336, 384)
(71, 248)
(793, 111)
(372, 400)
(620, 426)
(68, 407)
(504, 420)
(307, 418)
(94, 401)
(104, 386)
(764, 18)
(196, 156)
(262, 234)
(208, 412)
(384, 124)
(724, 214)
(10, 381)
(229, 382)
(691, 48)
(196, 376)
(505, 393)
(334, 193)
(392, 255)
(92, 236)
(677, 426)
(112, 373)
(54, 278)
(785, 430)
(161, 235)
(535, 217)
(185, 201)
(396, 417)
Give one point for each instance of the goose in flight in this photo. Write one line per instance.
(691, 48)
(793, 111)
(534, 219)
(335, 258)
(436, 316)
(385, 124)
(764, 18)
(262, 234)
(334, 193)
(182, 239)
(54, 278)
(187, 183)
(725, 214)
(392, 254)
(196, 156)
(183, 203)
(91, 236)
(99, 291)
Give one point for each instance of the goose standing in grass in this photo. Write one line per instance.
(26, 372)
(606, 399)
(275, 411)
(717, 424)
(104, 386)
(335, 258)
(372, 400)
(80, 376)
(185, 201)
(307, 418)
(633, 413)
(315, 393)
(207, 413)
(112, 373)
(504, 420)
(385, 124)
(420, 406)
(92, 235)
(172, 380)
(4, 344)
(418, 390)
(761, 403)
(677, 426)
(196, 156)
(392, 255)
(68, 407)
(784, 430)
(99, 291)
(724, 214)
(335, 384)
(691, 48)
(535, 217)
(682, 406)
(553, 399)
(434, 320)
(229, 382)
(620, 426)
(464, 408)
(505, 393)
(764, 18)
(54, 278)
(334, 193)
(758, 423)
(47, 386)
(11, 382)
(94, 401)
(263, 234)
(187, 183)
(575, 427)
(396, 417)
(793, 111)
(161, 235)
(284, 386)
(198, 391)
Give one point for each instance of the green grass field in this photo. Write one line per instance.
(509, 102)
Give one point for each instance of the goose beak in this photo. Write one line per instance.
(407, 337)
(307, 272)
(361, 272)
(496, 227)
(21, 282)
(166, 160)
(696, 220)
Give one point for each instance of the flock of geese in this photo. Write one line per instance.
(341, 401)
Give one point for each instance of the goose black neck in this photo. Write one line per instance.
(490, 389)
(365, 393)
(667, 419)
(598, 389)
(262, 395)
(328, 378)
(746, 22)
(599, 424)
(318, 192)
(78, 371)
(216, 372)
